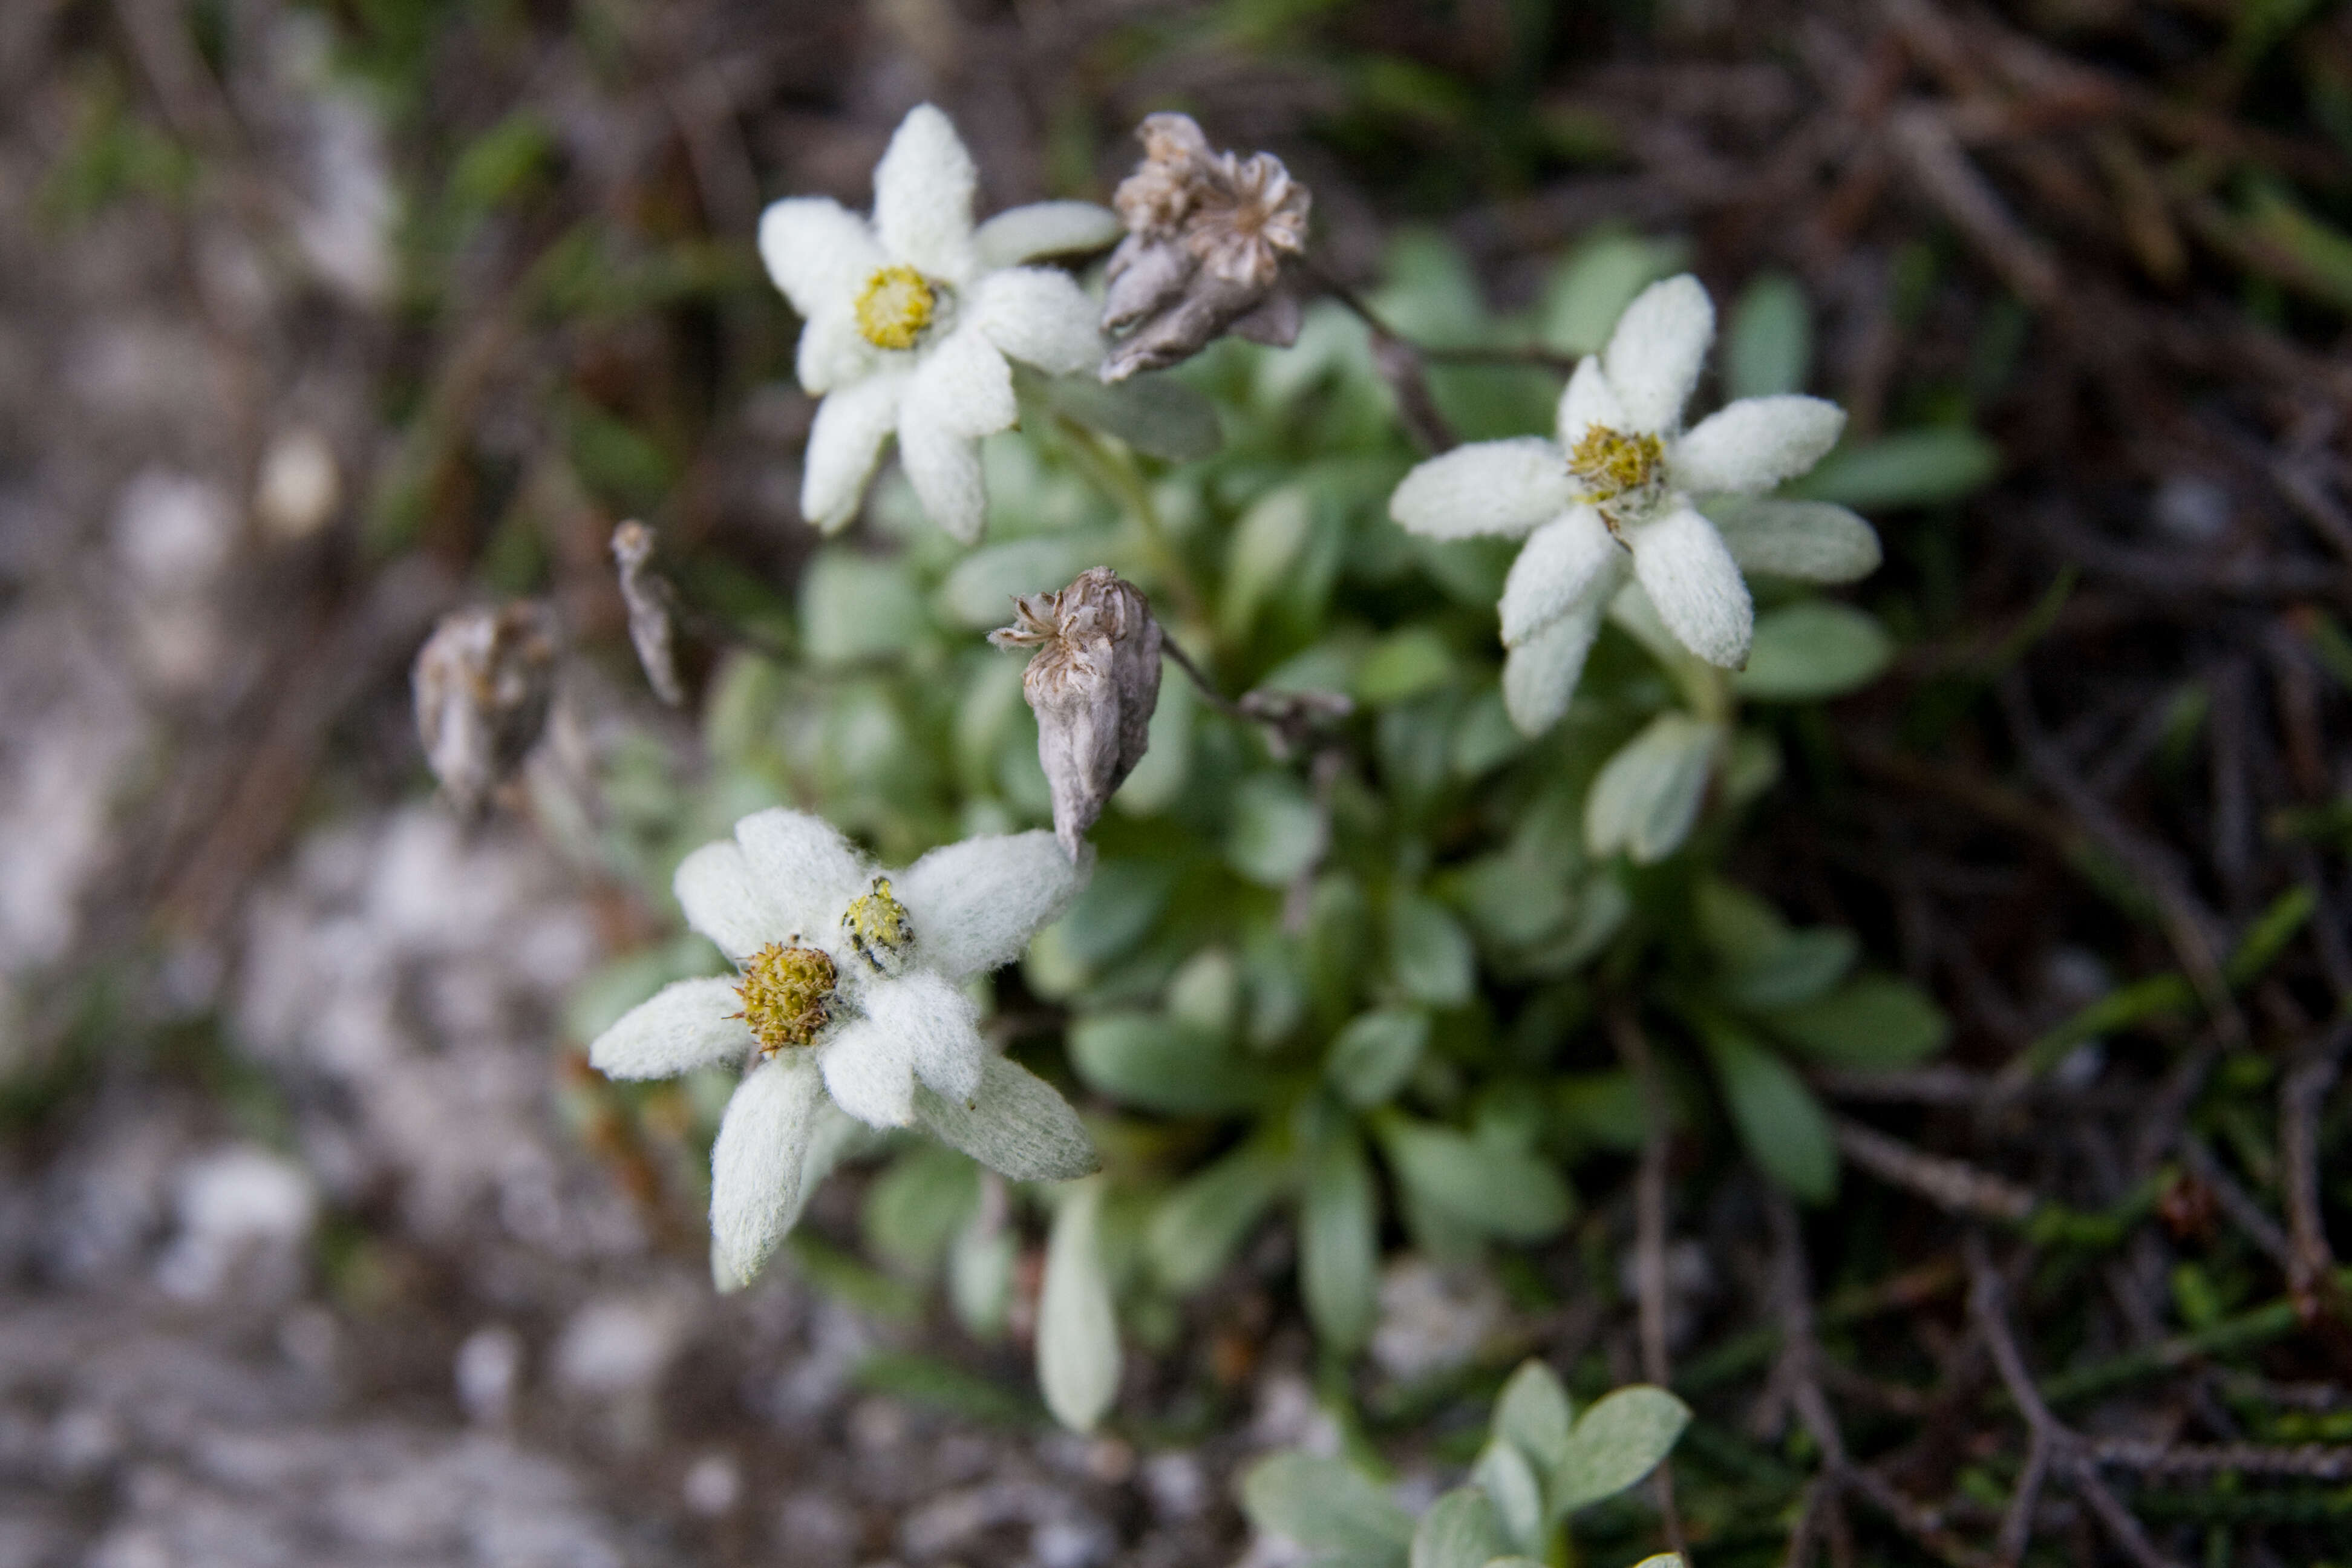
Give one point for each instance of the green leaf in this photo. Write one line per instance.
(916, 1205)
(1328, 1507)
(1157, 1064)
(1534, 1414)
(1339, 1244)
(1516, 899)
(1814, 650)
(1769, 348)
(978, 593)
(1077, 1334)
(1517, 1493)
(1197, 1226)
(856, 607)
(1917, 468)
(980, 1268)
(1460, 1531)
(1405, 664)
(1376, 1053)
(1871, 1021)
(1621, 1439)
(1783, 1127)
(1596, 282)
(1159, 416)
(1647, 796)
(1482, 1188)
(1265, 542)
(1275, 832)
(1802, 967)
(1429, 955)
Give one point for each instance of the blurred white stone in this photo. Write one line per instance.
(1288, 1416)
(300, 486)
(1432, 1320)
(1177, 1485)
(618, 1346)
(173, 532)
(713, 1486)
(488, 1366)
(242, 1212)
(2192, 509)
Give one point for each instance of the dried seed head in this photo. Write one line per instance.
(651, 602)
(483, 682)
(1093, 682)
(1207, 235)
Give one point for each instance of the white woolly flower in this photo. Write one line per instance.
(1613, 495)
(910, 316)
(850, 987)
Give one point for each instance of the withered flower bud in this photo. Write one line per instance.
(1093, 682)
(651, 601)
(1207, 236)
(483, 682)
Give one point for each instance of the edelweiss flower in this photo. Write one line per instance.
(850, 986)
(909, 319)
(1616, 493)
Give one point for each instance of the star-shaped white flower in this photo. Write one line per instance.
(1614, 495)
(910, 316)
(850, 987)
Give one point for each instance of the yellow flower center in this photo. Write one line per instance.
(878, 927)
(1613, 464)
(785, 993)
(894, 308)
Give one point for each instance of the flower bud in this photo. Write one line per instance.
(1093, 682)
(650, 600)
(1207, 235)
(483, 682)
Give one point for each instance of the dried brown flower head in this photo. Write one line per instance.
(483, 682)
(651, 603)
(1094, 681)
(1208, 233)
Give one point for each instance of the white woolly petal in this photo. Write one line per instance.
(1045, 228)
(1505, 488)
(1560, 566)
(1807, 539)
(869, 1070)
(682, 1026)
(975, 904)
(833, 353)
(1539, 676)
(1754, 444)
(964, 387)
(723, 900)
(1587, 400)
(755, 1166)
(819, 253)
(944, 468)
(1696, 586)
(844, 445)
(940, 1026)
(1020, 1127)
(1039, 316)
(1653, 357)
(807, 870)
(922, 197)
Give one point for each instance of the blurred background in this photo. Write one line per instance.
(317, 1243)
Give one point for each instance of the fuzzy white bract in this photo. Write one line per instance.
(910, 316)
(1620, 491)
(850, 989)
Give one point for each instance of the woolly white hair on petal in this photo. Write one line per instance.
(1039, 316)
(964, 385)
(975, 904)
(722, 900)
(844, 445)
(1587, 400)
(940, 1026)
(1045, 228)
(922, 195)
(1020, 1127)
(1653, 357)
(817, 251)
(869, 1070)
(808, 870)
(1539, 676)
(1813, 540)
(944, 468)
(755, 1166)
(682, 1026)
(1696, 586)
(834, 354)
(1505, 488)
(1561, 565)
(1755, 442)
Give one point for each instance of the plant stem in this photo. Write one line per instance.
(1112, 467)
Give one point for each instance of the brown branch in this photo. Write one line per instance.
(1953, 1185)
(2310, 1261)
(1650, 1279)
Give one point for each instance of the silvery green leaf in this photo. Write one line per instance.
(1275, 832)
(1534, 1414)
(1486, 738)
(1429, 955)
(1914, 468)
(917, 1204)
(1617, 1442)
(1741, 930)
(1460, 1531)
(1504, 1473)
(1155, 1063)
(1750, 767)
(1159, 416)
(1769, 348)
(1780, 1121)
(1812, 541)
(1267, 542)
(1374, 1055)
(979, 1277)
(1515, 899)
(1814, 649)
(1647, 796)
(856, 606)
(1339, 1245)
(1328, 1508)
(1077, 1334)
(1017, 1125)
(1205, 993)
(1475, 1185)
(1802, 967)
(1158, 779)
(985, 583)
(1197, 1226)
(1592, 286)
(1874, 1021)
(1403, 665)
